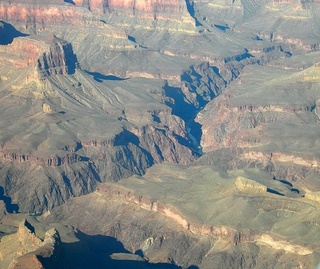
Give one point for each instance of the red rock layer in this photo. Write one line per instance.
(50, 55)
(38, 14)
(169, 6)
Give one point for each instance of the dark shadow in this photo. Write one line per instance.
(288, 53)
(126, 137)
(180, 107)
(186, 111)
(8, 33)
(196, 132)
(187, 76)
(274, 192)
(71, 59)
(289, 185)
(222, 27)
(257, 38)
(190, 8)
(66, 180)
(193, 267)
(239, 58)
(84, 159)
(216, 70)
(29, 226)
(182, 141)
(286, 182)
(100, 77)
(122, 264)
(155, 118)
(94, 252)
(243, 56)
(69, 1)
(94, 172)
(139, 252)
(11, 208)
(131, 38)
(102, 243)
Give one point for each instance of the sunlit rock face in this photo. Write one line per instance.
(83, 13)
(186, 129)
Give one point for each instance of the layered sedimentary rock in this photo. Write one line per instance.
(41, 56)
(38, 16)
(27, 250)
(116, 143)
(274, 131)
(96, 91)
(158, 221)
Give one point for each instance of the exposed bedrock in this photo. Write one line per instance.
(162, 233)
(24, 249)
(83, 13)
(43, 55)
(271, 131)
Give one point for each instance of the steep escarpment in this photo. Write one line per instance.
(29, 251)
(34, 244)
(272, 129)
(41, 56)
(42, 16)
(70, 152)
(164, 227)
(60, 58)
(102, 103)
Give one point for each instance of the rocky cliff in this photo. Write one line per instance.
(258, 130)
(198, 233)
(42, 56)
(27, 250)
(41, 16)
(100, 91)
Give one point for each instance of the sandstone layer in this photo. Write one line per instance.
(97, 92)
(196, 216)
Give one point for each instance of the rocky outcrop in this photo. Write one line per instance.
(250, 130)
(151, 66)
(164, 6)
(28, 240)
(45, 161)
(247, 185)
(204, 82)
(227, 233)
(231, 120)
(164, 144)
(157, 228)
(82, 13)
(30, 251)
(266, 239)
(37, 17)
(44, 56)
(60, 58)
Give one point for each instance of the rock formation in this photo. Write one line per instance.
(113, 97)
(238, 220)
(27, 250)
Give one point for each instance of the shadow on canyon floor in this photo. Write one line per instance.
(11, 208)
(94, 251)
(8, 33)
(100, 77)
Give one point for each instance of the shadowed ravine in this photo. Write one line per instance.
(159, 134)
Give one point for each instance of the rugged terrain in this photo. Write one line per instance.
(187, 130)
(197, 215)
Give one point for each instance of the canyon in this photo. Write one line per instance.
(165, 134)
